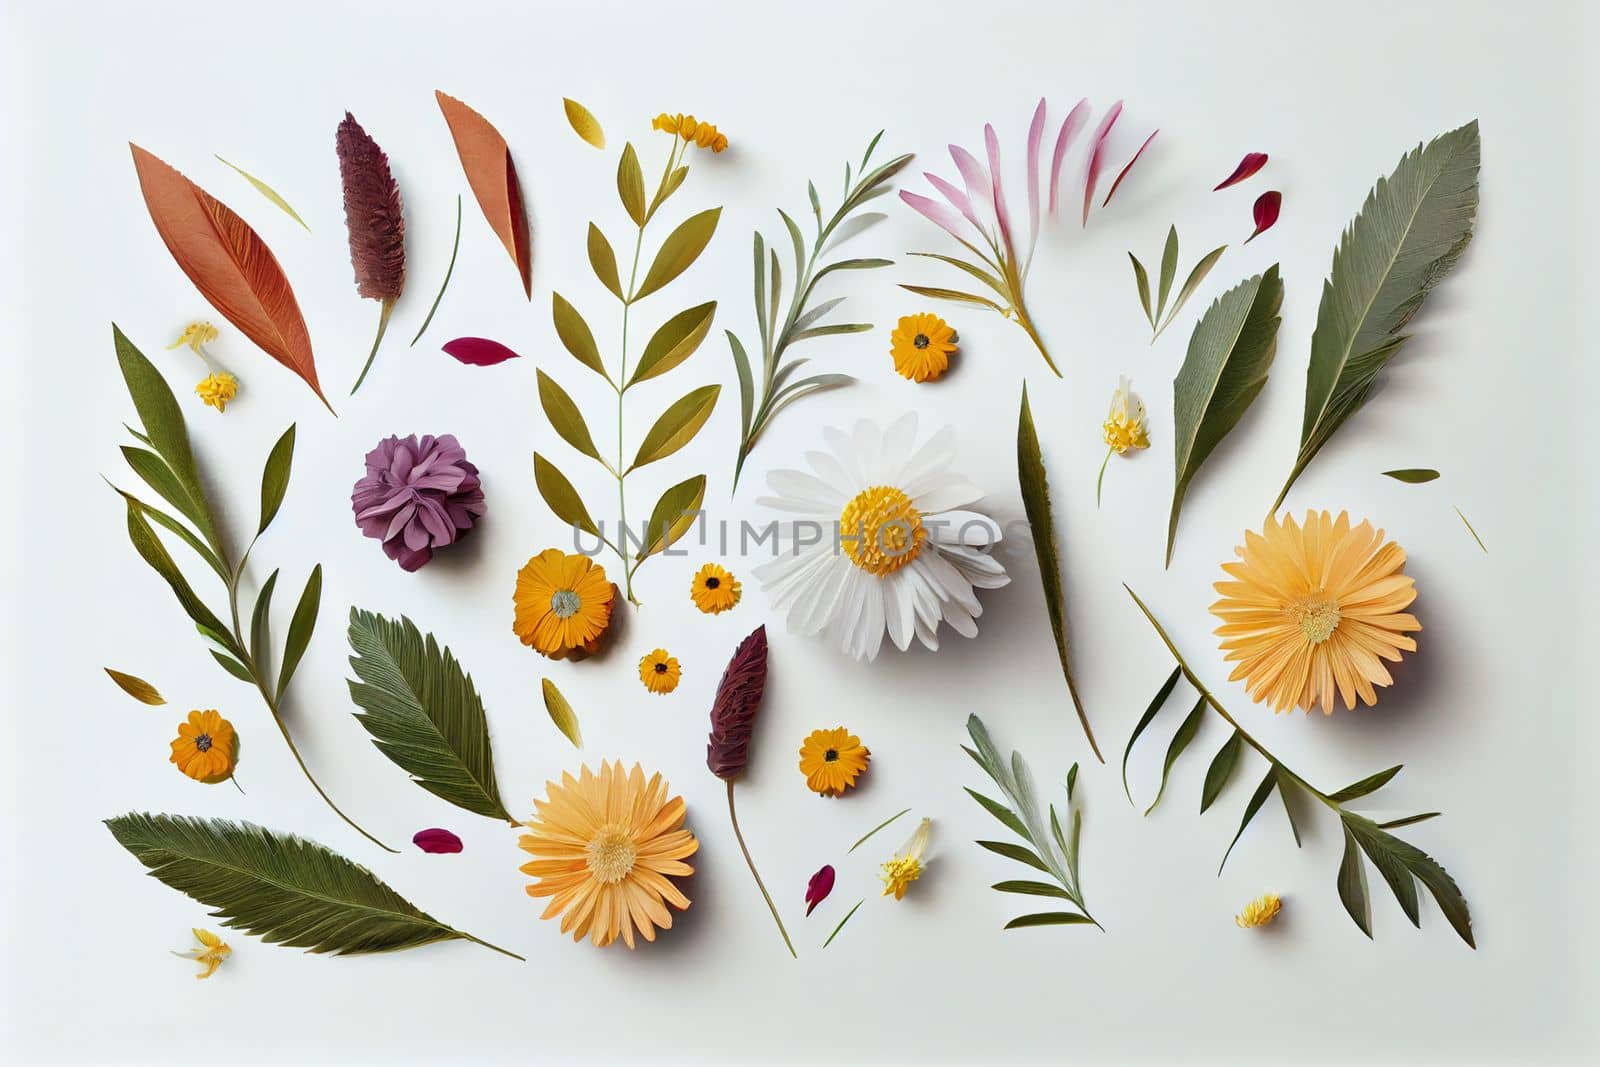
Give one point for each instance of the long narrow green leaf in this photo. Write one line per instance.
(1370, 784)
(1353, 884)
(999, 811)
(937, 293)
(282, 888)
(1409, 235)
(747, 386)
(1141, 281)
(1049, 918)
(1145, 720)
(261, 622)
(423, 712)
(302, 624)
(1180, 741)
(1190, 284)
(275, 478)
(183, 532)
(875, 829)
(1226, 366)
(455, 247)
(267, 191)
(1258, 798)
(1032, 889)
(155, 554)
(1015, 852)
(1221, 768)
(1169, 270)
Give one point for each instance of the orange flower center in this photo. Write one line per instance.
(610, 854)
(880, 530)
(1318, 618)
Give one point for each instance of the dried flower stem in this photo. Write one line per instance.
(383, 326)
(759, 883)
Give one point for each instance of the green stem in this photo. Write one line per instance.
(446, 283)
(1102, 476)
(383, 325)
(842, 921)
(1027, 325)
(733, 815)
(485, 944)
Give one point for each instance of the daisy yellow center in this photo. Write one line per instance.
(610, 855)
(565, 603)
(1317, 618)
(880, 530)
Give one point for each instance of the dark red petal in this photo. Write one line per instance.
(819, 887)
(1252, 162)
(479, 351)
(1268, 205)
(436, 840)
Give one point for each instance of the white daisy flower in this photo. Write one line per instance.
(886, 545)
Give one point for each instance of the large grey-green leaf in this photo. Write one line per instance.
(1410, 234)
(564, 416)
(1229, 355)
(679, 251)
(423, 712)
(282, 888)
(1035, 486)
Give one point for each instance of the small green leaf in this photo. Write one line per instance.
(999, 811)
(564, 416)
(1169, 270)
(1032, 889)
(232, 666)
(1072, 780)
(1370, 784)
(136, 687)
(1471, 531)
(747, 385)
(155, 554)
(162, 420)
(1412, 475)
(603, 261)
(677, 425)
(267, 191)
(260, 622)
(1141, 281)
(679, 251)
(936, 293)
(583, 122)
(630, 185)
(301, 626)
(1180, 741)
(1286, 786)
(847, 916)
(275, 478)
(1384, 852)
(1145, 720)
(1393, 824)
(1353, 885)
(875, 829)
(560, 496)
(673, 514)
(1190, 284)
(674, 342)
(183, 532)
(158, 476)
(575, 335)
(1015, 852)
(1258, 798)
(1221, 768)
(561, 713)
(1050, 918)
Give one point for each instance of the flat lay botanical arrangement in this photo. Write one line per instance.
(885, 543)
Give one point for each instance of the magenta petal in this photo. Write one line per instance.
(1069, 129)
(1097, 146)
(1123, 173)
(1252, 162)
(819, 887)
(478, 351)
(934, 212)
(436, 840)
(1268, 205)
(991, 146)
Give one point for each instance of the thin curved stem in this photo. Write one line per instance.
(1100, 479)
(383, 326)
(733, 815)
(446, 283)
(485, 944)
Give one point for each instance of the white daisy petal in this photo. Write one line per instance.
(830, 470)
(934, 456)
(900, 600)
(844, 453)
(808, 489)
(960, 621)
(869, 628)
(979, 568)
(928, 634)
(948, 580)
(867, 440)
(898, 441)
(962, 528)
(951, 492)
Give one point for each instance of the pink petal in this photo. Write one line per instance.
(479, 351)
(976, 179)
(957, 198)
(436, 840)
(1123, 173)
(1035, 135)
(1097, 146)
(934, 212)
(1268, 205)
(1252, 162)
(991, 145)
(1069, 129)
(819, 887)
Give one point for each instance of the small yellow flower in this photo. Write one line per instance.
(922, 346)
(832, 760)
(1259, 912)
(217, 389)
(702, 134)
(194, 335)
(212, 951)
(665, 122)
(906, 865)
(659, 672)
(206, 747)
(714, 590)
(1124, 426)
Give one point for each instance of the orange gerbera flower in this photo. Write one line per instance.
(1313, 609)
(206, 747)
(922, 346)
(563, 603)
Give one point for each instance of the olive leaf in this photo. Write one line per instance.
(275, 478)
(1224, 370)
(604, 261)
(673, 514)
(423, 712)
(575, 335)
(560, 496)
(136, 687)
(679, 251)
(561, 713)
(630, 185)
(677, 425)
(674, 341)
(1412, 475)
(1409, 234)
(564, 416)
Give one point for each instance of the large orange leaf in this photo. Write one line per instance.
(229, 263)
(493, 176)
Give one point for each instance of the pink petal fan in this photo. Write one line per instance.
(1097, 146)
(991, 146)
(1069, 129)
(934, 212)
(1035, 135)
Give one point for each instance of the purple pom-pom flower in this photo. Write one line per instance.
(417, 495)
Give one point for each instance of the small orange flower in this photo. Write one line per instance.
(922, 346)
(832, 760)
(563, 604)
(206, 747)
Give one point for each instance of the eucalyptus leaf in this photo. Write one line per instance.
(674, 342)
(679, 251)
(560, 496)
(302, 624)
(747, 388)
(136, 687)
(576, 336)
(1141, 281)
(677, 425)
(561, 713)
(1409, 235)
(282, 888)
(630, 184)
(1169, 270)
(260, 624)
(603, 261)
(673, 514)
(275, 478)
(423, 712)
(564, 416)
(1226, 366)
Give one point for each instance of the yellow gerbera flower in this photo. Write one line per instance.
(605, 849)
(905, 866)
(212, 951)
(922, 346)
(832, 760)
(714, 590)
(194, 335)
(563, 604)
(701, 134)
(206, 747)
(1259, 912)
(659, 672)
(1313, 609)
(217, 389)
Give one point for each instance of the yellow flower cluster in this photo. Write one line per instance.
(703, 134)
(1124, 426)
(1259, 912)
(215, 390)
(210, 955)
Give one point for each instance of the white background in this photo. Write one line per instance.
(1492, 391)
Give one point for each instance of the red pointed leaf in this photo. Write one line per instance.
(479, 351)
(1123, 173)
(1268, 205)
(1252, 162)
